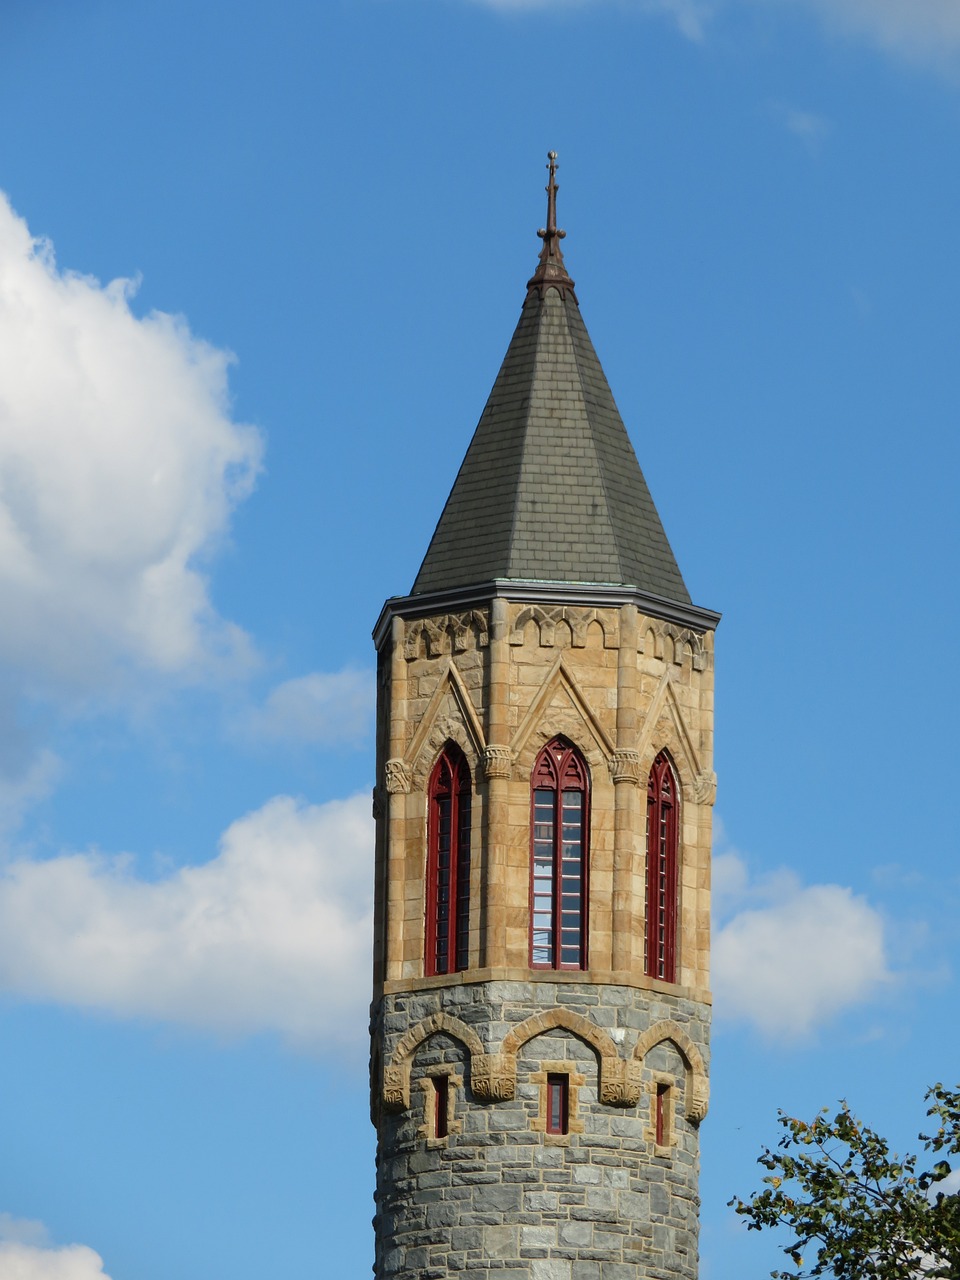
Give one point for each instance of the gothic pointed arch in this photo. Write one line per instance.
(447, 891)
(396, 1075)
(698, 1084)
(663, 870)
(559, 857)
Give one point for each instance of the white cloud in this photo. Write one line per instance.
(273, 934)
(24, 788)
(119, 468)
(73, 1262)
(922, 30)
(690, 16)
(26, 1254)
(790, 957)
(811, 129)
(318, 708)
(925, 31)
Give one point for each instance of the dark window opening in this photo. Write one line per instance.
(441, 1101)
(660, 1125)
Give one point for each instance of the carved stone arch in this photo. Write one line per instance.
(443, 730)
(698, 1084)
(665, 728)
(425, 638)
(611, 1077)
(651, 643)
(396, 1075)
(463, 625)
(569, 1020)
(545, 619)
(670, 645)
(567, 725)
(690, 644)
(441, 722)
(575, 720)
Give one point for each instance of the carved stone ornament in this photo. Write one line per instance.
(497, 762)
(705, 788)
(625, 766)
(397, 777)
(612, 1092)
(396, 1088)
(493, 1077)
(698, 1099)
(632, 1083)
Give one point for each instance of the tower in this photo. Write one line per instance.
(544, 790)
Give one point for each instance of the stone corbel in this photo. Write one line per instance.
(705, 788)
(493, 1076)
(625, 766)
(612, 1073)
(397, 777)
(632, 1083)
(497, 762)
(396, 1088)
(698, 1097)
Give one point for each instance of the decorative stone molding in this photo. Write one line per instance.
(396, 1088)
(671, 643)
(448, 633)
(493, 1077)
(397, 777)
(497, 762)
(578, 620)
(625, 766)
(705, 788)
(698, 1086)
(396, 1076)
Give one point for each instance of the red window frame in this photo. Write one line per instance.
(663, 828)
(558, 1103)
(559, 857)
(447, 932)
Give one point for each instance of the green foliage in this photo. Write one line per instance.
(854, 1208)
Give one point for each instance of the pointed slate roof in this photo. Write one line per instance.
(550, 489)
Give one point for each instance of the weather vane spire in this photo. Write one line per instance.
(551, 272)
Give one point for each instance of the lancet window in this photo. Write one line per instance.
(660, 943)
(448, 864)
(559, 858)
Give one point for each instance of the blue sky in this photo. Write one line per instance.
(258, 267)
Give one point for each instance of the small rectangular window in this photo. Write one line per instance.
(661, 1120)
(441, 1099)
(558, 1103)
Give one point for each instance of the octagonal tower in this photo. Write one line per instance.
(543, 803)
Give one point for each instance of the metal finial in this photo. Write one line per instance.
(551, 273)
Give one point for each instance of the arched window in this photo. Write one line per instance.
(660, 945)
(448, 865)
(558, 894)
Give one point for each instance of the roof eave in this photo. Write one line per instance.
(611, 595)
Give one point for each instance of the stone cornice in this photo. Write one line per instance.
(597, 594)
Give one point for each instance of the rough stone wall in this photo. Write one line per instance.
(503, 1200)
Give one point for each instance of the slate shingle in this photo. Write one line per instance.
(550, 488)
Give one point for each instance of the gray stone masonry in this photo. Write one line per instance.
(502, 1200)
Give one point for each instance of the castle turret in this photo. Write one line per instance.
(545, 782)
